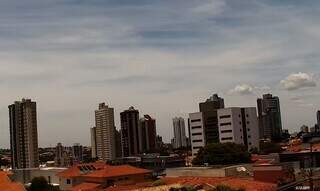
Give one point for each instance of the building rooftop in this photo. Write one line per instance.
(7, 185)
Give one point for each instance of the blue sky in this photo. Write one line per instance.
(163, 57)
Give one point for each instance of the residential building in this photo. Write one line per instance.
(318, 118)
(103, 141)
(23, 134)
(269, 117)
(210, 121)
(6, 184)
(147, 134)
(93, 134)
(118, 144)
(130, 132)
(60, 156)
(240, 126)
(77, 153)
(99, 176)
(179, 130)
(197, 132)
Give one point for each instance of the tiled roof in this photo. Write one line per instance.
(85, 187)
(7, 185)
(74, 171)
(115, 171)
(248, 185)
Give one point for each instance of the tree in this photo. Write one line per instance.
(41, 184)
(222, 153)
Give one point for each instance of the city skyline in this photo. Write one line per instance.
(168, 56)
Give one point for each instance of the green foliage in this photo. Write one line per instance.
(222, 154)
(158, 183)
(269, 147)
(226, 188)
(41, 184)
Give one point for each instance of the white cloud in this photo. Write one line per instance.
(242, 89)
(297, 81)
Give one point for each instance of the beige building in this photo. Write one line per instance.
(239, 125)
(103, 135)
(23, 134)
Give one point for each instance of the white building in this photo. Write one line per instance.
(179, 130)
(103, 134)
(196, 132)
(239, 125)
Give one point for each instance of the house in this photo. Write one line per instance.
(7, 185)
(100, 175)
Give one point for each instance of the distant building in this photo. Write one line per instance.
(179, 130)
(210, 121)
(130, 132)
(77, 153)
(159, 142)
(118, 144)
(318, 118)
(197, 132)
(60, 156)
(269, 117)
(240, 126)
(93, 134)
(103, 140)
(147, 134)
(23, 134)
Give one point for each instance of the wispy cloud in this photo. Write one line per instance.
(298, 80)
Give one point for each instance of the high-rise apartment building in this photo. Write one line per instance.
(103, 142)
(59, 157)
(93, 134)
(318, 118)
(23, 134)
(147, 134)
(269, 117)
(210, 120)
(179, 131)
(240, 126)
(197, 132)
(77, 153)
(130, 132)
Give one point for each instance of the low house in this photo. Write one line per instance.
(101, 175)
(7, 184)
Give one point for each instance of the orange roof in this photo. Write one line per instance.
(248, 185)
(85, 187)
(115, 171)
(74, 171)
(7, 185)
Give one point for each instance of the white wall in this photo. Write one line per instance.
(197, 134)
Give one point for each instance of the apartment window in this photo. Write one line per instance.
(195, 120)
(248, 129)
(68, 181)
(225, 124)
(196, 127)
(240, 123)
(247, 115)
(197, 147)
(225, 116)
(248, 122)
(249, 136)
(194, 134)
(226, 138)
(250, 143)
(226, 131)
(196, 141)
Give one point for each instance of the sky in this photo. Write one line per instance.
(161, 56)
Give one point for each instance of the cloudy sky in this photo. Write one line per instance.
(161, 56)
